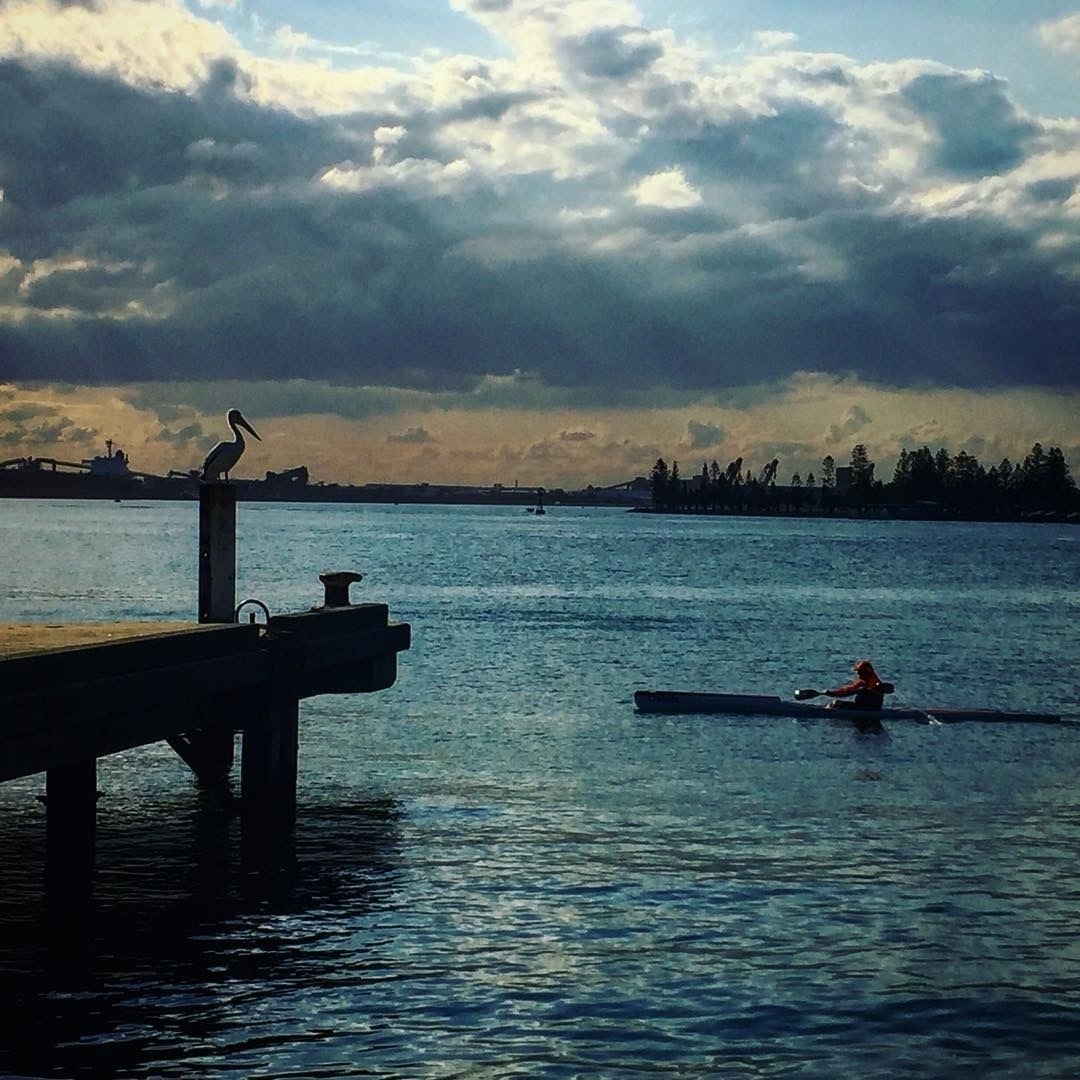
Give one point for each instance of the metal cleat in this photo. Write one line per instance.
(336, 583)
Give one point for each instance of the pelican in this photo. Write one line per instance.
(225, 455)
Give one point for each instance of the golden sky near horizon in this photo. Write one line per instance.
(811, 417)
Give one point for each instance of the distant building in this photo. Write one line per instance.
(286, 477)
(844, 478)
(631, 492)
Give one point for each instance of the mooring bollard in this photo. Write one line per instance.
(336, 585)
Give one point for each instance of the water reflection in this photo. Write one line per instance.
(575, 890)
(189, 917)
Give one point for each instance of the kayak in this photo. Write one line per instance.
(683, 701)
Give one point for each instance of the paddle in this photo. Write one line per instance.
(803, 695)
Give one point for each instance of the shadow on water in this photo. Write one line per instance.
(186, 915)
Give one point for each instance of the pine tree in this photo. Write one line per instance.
(862, 468)
(659, 480)
(828, 471)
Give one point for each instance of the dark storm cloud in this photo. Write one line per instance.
(270, 291)
(767, 148)
(1053, 191)
(704, 435)
(782, 164)
(981, 130)
(19, 414)
(611, 52)
(155, 236)
(18, 429)
(69, 135)
(190, 433)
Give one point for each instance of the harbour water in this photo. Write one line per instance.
(499, 869)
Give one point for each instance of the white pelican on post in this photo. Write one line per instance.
(225, 455)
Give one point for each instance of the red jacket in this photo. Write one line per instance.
(869, 693)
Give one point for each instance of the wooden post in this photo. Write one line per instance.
(209, 753)
(217, 553)
(70, 817)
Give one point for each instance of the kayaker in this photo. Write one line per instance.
(868, 689)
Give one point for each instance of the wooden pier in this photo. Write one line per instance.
(72, 693)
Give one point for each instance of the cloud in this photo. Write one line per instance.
(141, 43)
(433, 177)
(774, 39)
(855, 420)
(703, 436)
(18, 429)
(20, 414)
(1061, 35)
(189, 434)
(597, 213)
(577, 436)
(928, 430)
(612, 52)
(668, 190)
(980, 131)
(413, 435)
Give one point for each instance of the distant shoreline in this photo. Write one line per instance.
(20, 484)
(876, 513)
(14, 485)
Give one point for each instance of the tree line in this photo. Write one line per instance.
(923, 481)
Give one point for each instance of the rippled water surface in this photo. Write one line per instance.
(499, 868)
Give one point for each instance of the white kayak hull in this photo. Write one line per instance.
(684, 701)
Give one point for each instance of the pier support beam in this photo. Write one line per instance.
(207, 753)
(70, 817)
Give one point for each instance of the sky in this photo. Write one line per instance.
(539, 242)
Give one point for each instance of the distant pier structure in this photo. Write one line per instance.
(73, 693)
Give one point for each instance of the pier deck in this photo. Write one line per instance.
(77, 692)
(18, 639)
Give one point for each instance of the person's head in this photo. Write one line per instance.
(865, 670)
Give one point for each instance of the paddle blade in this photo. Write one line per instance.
(802, 695)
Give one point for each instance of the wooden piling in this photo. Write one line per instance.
(270, 743)
(209, 752)
(270, 724)
(70, 821)
(217, 553)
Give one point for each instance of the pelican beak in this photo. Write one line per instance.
(241, 422)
